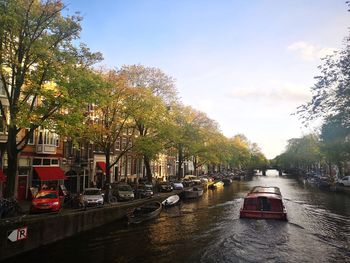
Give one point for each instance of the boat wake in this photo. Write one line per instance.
(228, 203)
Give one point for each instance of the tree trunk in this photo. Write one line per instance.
(12, 155)
(180, 175)
(148, 168)
(108, 175)
(195, 165)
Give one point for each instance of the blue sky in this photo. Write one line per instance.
(247, 64)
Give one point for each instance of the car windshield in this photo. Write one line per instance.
(124, 188)
(92, 192)
(46, 195)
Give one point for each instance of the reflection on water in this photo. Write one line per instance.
(209, 230)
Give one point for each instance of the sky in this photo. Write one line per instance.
(246, 64)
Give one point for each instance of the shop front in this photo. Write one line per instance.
(2, 183)
(51, 177)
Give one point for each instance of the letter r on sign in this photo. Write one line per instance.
(22, 233)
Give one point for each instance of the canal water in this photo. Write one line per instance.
(209, 230)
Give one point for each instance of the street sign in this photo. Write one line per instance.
(18, 234)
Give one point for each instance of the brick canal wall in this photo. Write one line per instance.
(44, 229)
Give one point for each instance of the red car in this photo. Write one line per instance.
(46, 201)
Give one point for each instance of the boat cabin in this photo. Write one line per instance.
(264, 202)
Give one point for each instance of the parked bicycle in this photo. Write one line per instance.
(9, 208)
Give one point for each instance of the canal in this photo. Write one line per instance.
(209, 230)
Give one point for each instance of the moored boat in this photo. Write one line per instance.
(193, 192)
(227, 181)
(265, 203)
(216, 184)
(171, 201)
(144, 212)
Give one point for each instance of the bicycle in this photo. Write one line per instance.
(9, 208)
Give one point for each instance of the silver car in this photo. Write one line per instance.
(345, 181)
(93, 197)
(125, 192)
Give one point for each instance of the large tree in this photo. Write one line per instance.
(113, 108)
(41, 71)
(301, 153)
(239, 151)
(335, 141)
(331, 93)
(156, 94)
(197, 137)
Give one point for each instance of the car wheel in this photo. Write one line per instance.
(113, 199)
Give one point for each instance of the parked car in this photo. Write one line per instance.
(177, 185)
(164, 187)
(144, 190)
(123, 192)
(46, 201)
(345, 181)
(92, 197)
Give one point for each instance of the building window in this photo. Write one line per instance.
(2, 125)
(37, 161)
(57, 140)
(123, 143)
(45, 162)
(117, 144)
(129, 166)
(48, 138)
(122, 166)
(31, 138)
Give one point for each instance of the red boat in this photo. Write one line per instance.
(265, 203)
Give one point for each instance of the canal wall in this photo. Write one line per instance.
(21, 234)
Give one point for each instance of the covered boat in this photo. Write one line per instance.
(264, 202)
(193, 192)
(144, 212)
(216, 184)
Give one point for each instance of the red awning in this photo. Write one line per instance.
(102, 166)
(2, 176)
(50, 173)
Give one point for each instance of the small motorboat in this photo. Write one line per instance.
(227, 181)
(171, 201)
(144, 212)
(193, 192)
(216, 184)
(265, 203)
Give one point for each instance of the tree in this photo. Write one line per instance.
(301, 153)
(112, 110)
(153, 127)
(334, 141)
(156, 95)
(194, 136)
(239, 151)
(331, 93)
(41, 71)
(257, 158)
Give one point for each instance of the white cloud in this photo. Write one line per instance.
(283, 92)
(309, 52)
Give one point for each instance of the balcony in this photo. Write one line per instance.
(46, 149)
